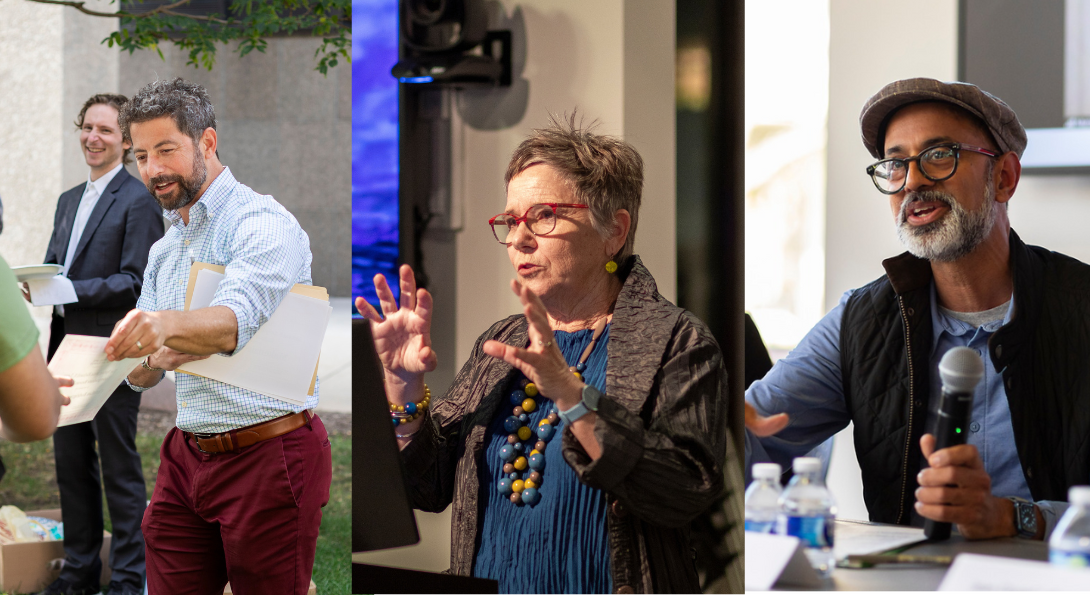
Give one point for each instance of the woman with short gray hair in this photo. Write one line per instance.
(584, 434)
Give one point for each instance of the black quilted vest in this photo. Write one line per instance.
(1043, 355)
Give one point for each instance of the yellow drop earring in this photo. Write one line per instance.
(611, 267)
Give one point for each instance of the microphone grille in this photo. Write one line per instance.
(961, 369)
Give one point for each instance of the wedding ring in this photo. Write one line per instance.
(139, 346)
(541, 343)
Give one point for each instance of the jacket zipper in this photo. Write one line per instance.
(911, 401)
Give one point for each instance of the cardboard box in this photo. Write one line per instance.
(30, 567)
(312, 591)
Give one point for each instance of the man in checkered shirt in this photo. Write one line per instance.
(243, 476)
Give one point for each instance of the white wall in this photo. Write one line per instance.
(870, 44)
(613, 61)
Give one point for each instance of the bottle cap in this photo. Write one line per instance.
(766, 471)
(1079, 495)
(807, 465)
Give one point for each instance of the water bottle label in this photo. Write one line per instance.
(759, 526)
(1070, 559)
(813, 531)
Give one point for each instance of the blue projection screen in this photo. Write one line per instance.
(374, 145)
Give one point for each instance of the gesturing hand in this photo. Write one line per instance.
(542, 361)
(403, 335)
(764, 426)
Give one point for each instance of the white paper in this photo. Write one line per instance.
(975, 572)
(857, 538)
(280, 359)
(776, 559)
(83, 359)
(52, 291)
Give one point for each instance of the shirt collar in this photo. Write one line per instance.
(104, 181)
(212, 201)
(941, 323)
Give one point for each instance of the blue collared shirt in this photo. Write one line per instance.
(807, 386)
(265, 253)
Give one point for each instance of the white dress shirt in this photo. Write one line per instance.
(91, 193)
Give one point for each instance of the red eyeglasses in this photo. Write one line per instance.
(540, 220)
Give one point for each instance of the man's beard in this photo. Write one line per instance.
(187, 189)
(954, 235)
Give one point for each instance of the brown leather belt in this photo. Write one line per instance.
(250, 435)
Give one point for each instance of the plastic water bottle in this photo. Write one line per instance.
(807, 511)
(763, 498)
(1070, 543)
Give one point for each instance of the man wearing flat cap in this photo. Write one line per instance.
(949, 162)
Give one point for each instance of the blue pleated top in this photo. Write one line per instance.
(561, 544)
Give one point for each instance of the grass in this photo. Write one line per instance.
(31, 484)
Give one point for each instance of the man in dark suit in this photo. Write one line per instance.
(102, 234)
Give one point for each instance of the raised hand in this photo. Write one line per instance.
(764, 426)
(402, 333)
(542, 361)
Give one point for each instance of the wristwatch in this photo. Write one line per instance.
(1025, 517)
(588, 403)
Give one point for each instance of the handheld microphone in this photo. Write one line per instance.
(960, 370)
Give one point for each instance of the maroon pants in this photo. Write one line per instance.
(250, 516)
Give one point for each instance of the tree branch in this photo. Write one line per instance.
(165, 9)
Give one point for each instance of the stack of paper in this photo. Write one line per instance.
(281, 359)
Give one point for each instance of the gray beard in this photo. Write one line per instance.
(953, 236)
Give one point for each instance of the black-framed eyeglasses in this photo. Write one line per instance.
(936, 163)
(540, 220)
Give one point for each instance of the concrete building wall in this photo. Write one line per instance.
(32, 59)
(284, 130)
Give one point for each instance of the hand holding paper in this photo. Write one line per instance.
(95, 378)
(52, 291)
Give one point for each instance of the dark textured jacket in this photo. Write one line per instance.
(1043, 354)
(661, 423)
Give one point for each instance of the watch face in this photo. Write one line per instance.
(1029, 519)
(591, 396)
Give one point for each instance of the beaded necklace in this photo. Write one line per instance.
(522, 487)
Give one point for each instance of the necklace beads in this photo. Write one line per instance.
(523, 463)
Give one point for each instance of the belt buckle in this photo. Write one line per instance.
(197, 440)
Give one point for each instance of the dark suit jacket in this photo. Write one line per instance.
(108, 266)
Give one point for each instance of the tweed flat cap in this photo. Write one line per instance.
(996, 115)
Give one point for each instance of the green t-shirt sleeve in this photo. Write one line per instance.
(18, 333)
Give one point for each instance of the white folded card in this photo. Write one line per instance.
(281, 359)
(95, 378)
(975, 572)
(777, 559)
(51, 291)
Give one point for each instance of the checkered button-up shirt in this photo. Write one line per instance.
(265, 252)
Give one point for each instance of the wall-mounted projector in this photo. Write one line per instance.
(446, 42)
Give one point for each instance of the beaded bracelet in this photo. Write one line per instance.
(403, 414)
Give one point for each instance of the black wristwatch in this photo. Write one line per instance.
(1025, 517)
